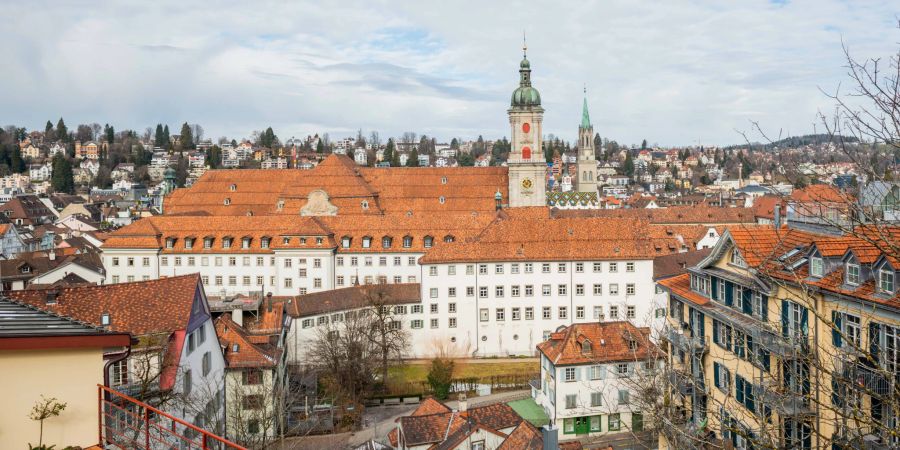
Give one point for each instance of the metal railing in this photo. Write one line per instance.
(865, 378)
(785, 401)
(127, 423)
(690, 343)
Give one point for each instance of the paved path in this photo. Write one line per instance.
(478, 360)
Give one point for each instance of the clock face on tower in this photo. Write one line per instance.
(527, 183)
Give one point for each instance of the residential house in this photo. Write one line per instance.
(588, 372)
(26, 210)
(38, 349)
(40, 172)
(15, 181)
(177, 365)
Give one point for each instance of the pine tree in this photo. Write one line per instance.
(17, 164)
(413, 160)
(110, 134)
(187, 136)
(159, 138)
(48, 132)
(166, 137)
(388, 154)
(644, 144)
(628, 167)
(62, 179)
(62, 133)
(320, 147)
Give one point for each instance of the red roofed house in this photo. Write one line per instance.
(585, 371)
(177, 364)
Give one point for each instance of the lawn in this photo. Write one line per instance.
(418, 372)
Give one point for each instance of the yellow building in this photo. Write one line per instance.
(787, 339)
(44, 355)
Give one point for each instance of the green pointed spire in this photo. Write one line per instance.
(585, 117)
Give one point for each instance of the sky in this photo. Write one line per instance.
(674, 72)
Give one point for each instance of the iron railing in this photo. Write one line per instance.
(689, 343)
(127, 423)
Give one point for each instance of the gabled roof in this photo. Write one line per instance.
(140, 308)
(248, 354)
(434, 423)
(609, 342)
(352, 297)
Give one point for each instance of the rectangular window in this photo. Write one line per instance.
(529, 290)
(433, 293)
(317, 282)
(545, 268)
(598, 312)
(579, 312)
(451, 308)
(514, 291)
(484, 314)
(411, 261)
(482, 269)
(571, 401)
(514, 268)
(500, 314)
(545, 290)
(598, 267)
(613, 267)
(433, 308)
(629, 267)
(546, 312)
(614, 423)
(614, 289)
(207, 363)
(598, 289)
(451, 270)
(629, 312)
(432, 271)
(433, 323)
(853, 274)
(415, 324)
(613, 312)
(451, 292)
(596, 399)
(529, 268)
(470, 269)
(886, 281)
(598, 373)
(529, 313)
(498, 268)
(815, 266)
(483, 292)
(569, 374)
(579, 267)
(451, 322)
(516, 313)
(563, 312)
(629, 289)
(498, 291)
(579, 289)
(623, 396)
(563, 289)
(470, 291)
(561, 267)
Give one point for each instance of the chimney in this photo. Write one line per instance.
(550, 437)
(269, 302)
(237, 315)
(777, 221)
(463, 403)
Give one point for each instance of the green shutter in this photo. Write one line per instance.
(716, 374)
(714, 288)
(836, 328)
(785, 308)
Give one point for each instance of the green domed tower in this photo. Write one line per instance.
(527, 168)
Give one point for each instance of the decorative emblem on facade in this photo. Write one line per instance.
(317, 204)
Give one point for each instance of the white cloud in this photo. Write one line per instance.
(671, 72)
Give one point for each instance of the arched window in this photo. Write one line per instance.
(386, 242)
(449, 238)
(227, 201)
(429, 241)
(442, 199)
(407, 241)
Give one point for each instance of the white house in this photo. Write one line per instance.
(588, 372)
(11, 244)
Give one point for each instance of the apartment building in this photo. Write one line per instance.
(788, 338)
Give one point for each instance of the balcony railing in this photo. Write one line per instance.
(689, 343)
(127, 423)
(785, 401)
(864, 377)
(790, 347)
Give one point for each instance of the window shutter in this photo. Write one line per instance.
(874, 340)
(729, 293)
(701, 318)
(785, 306)
(578, 374)
(714, 287)
(804, 324)
(716, 374)
(764, 313)
(739, 389)
(836, 328)
(602, 372)
(746, 299)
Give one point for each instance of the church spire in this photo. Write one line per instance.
(585, 117)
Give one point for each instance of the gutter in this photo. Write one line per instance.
(118, 356)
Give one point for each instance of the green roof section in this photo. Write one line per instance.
(585, 117)
(530, 411)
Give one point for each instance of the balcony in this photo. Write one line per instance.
(794, 347)
(693, 344)
(784, 401)
(129, 423)
(864, 378)
(867, 442)
(687, 384)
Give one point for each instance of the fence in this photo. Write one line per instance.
(127, 423)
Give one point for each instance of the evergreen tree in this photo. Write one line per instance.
(110, 134)
(320, 147)
(187, 136)
(214, 157)
(166, 137)
(388, 154)
(103, 179)
(413, 160)
(62, 133)
(465, 160)
(16, 163)
(628, 167)
(644, 144)
(48, 132)
(454, 144)
(181, 171)
(159, 138)
(62, 179)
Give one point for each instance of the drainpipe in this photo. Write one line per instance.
(477, 312)
(118, 356)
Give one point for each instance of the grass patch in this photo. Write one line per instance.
(418, 372)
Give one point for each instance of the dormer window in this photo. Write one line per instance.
(586, 347)
(264, 242)
(104, 319)
(245, 242)
(227, 201)
(386, 242)
(367, 242)
(170, 242)
(449, 238)
(852, 274)
(286, 240)
(26, 269)
(346, 241)
(886, 280)
(443, 180)
(188, 243)
(235, 348)
(737, 259)
(407, 241)
(365, 205)
(441, 199)
(320, 241)
(280, 205)
(207, 242)
(632, 344)
(816, 266)
(226, 242)
(233, 187)
(429, 241)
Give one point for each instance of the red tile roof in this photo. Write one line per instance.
(609, 342)
(248, 354)
(353, 297)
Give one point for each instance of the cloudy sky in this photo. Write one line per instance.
(673, 72)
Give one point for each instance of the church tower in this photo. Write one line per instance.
(587, 160)
(527, 167)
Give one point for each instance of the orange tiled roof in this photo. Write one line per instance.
(140, 308)
(609, 343)
(680, 285)
(352, 297)
(670, 215)
(248, 354)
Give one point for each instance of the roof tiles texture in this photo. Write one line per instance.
(609, 342)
